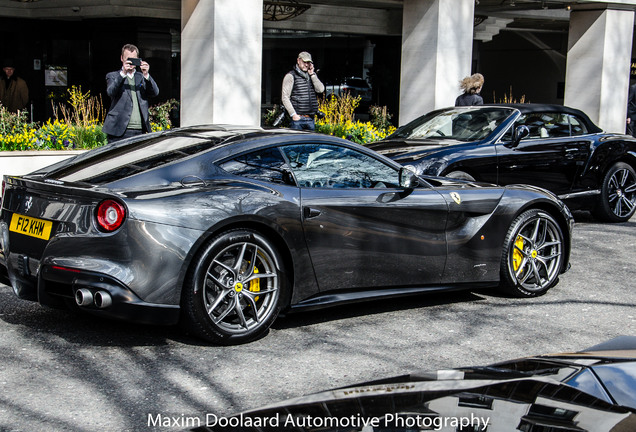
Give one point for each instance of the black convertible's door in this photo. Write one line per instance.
(551, 156)
(551, 163)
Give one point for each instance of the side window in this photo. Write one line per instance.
(577, 126)
(265, 165)
(557, 125)
(545, 125)
(330, 166)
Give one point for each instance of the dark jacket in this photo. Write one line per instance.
(121, 102)
(469, 100)
(14, 93)
(303, 95)
(631, 102)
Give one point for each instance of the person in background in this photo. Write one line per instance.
(300, 86)
(471, 85)
(129, 89)
(631, 111)
(14, 93)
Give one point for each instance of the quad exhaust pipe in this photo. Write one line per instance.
(85, 297)
(103, 299)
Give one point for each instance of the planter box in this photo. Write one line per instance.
(24, 162)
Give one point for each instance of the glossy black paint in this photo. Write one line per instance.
(572, 167)
(586, 391)
(338, 244)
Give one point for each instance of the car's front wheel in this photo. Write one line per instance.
(235, 290)
(533, 254)
(618, 194)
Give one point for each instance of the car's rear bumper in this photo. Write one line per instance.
(56, 286)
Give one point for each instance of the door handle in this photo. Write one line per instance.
(309, 212)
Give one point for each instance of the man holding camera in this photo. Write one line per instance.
(129, 89)
(300, 86)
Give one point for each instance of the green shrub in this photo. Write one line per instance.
(270, 116)
(16, 132)
(88, 137)
(160, 115)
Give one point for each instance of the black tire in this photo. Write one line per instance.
(460, 175)
(532, 256)
(235, 289)
(617, 202)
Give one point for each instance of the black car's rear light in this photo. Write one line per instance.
(110, 215)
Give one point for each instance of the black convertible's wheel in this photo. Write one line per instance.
(533, 254)
(235, 290)
(618, 194)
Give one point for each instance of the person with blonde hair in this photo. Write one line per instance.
(471, 85)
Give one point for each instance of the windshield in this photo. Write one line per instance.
(463, 124)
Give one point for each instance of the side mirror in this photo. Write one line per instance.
(520, 133)
(408, 178)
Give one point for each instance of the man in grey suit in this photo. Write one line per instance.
(129, 89)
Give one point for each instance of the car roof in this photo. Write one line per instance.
(160, 152)
(530, 108)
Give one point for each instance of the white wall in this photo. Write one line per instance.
(221, 58)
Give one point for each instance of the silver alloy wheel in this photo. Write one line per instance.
(622, 192)
(535, 259)
(241, 287)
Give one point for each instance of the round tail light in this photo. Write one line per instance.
(110, 215)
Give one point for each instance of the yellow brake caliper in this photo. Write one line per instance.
(255, 284)
(517, 257)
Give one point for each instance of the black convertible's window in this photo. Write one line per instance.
(577, 127)
(265, 165)
(549, 125)
(329, 166)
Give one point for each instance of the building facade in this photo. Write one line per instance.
(225, 59)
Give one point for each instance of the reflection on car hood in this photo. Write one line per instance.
(442, 404)
(524, 394)
(403, 150)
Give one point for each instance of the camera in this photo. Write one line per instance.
(135, 61)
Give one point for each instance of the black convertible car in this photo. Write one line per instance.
(551, 146)
(224, 227)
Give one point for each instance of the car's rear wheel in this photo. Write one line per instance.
(533, 254)
(235, 290)
(460, 175)
(618, 194)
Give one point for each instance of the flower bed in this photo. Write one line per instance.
(338, 119)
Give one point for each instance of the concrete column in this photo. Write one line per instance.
(221, 57)
(598, 65)
(437, 45)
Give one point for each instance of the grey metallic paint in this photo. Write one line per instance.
(339, 245)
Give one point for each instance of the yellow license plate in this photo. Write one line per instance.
(31, 226)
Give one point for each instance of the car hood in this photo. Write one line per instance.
(440, 404)
(526, 393)
(403, 150)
